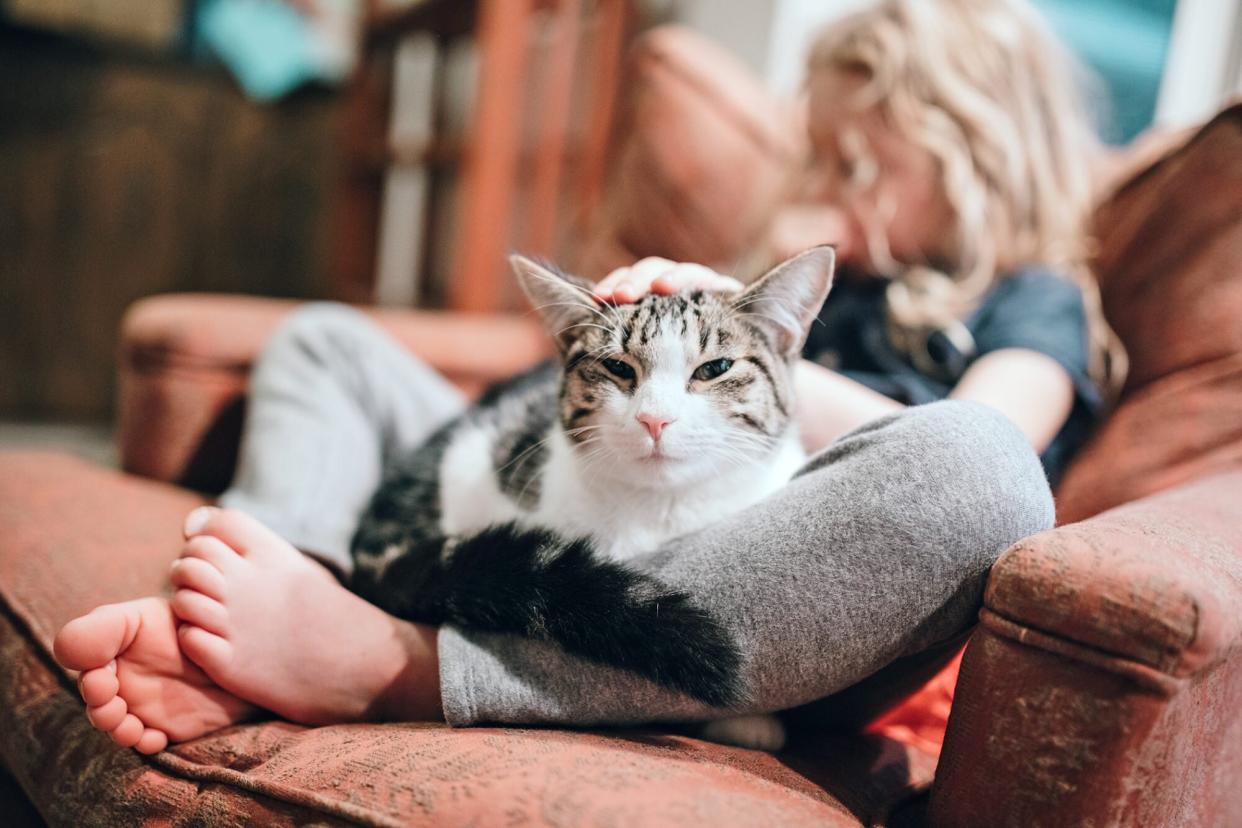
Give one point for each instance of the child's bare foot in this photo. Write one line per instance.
(137, 685)
(275, 628)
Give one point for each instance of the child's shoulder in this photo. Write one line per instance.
(1028, 278)
(1035, 293)
(1037, 308)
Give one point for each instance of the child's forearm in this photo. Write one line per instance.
(1028, 387)
(830, 405)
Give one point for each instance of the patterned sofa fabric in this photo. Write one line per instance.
(73, 536)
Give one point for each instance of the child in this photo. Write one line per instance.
(952, 160)
(946, 136)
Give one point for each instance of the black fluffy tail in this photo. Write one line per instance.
(533, 583)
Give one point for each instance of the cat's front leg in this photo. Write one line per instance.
(758, 731)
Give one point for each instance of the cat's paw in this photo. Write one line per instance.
(758, 732)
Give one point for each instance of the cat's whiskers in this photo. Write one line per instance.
(610, 326)
(608, 346)
(526, 452)
(762, 440)
(591, 303)
(745, 301)
(731, 455)
(771, 319)
(582, 325)
(595, 469)
(573, 432)
(521, 496)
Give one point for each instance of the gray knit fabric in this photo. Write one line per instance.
(331, 396)
(878, 550)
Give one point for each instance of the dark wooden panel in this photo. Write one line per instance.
(121, 177)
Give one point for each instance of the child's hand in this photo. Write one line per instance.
(660, 276)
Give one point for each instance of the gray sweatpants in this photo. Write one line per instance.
(870, 563)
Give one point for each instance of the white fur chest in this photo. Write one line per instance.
(626, 521)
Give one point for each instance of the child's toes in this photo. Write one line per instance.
(237, 530)
(198, 575)
(99, 685)
(213, 551)
(206, 649)
(96, 638)
(196, 608)
(129, 731)
(109, 715)
(152, 741)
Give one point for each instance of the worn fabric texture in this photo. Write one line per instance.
(1170, 271)
(877, 549)
(1106, 676)
(73, 536)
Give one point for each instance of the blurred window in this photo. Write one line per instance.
(1126, 44)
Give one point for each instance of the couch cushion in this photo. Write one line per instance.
(73, 536)
(185, 361)
(705, 155)
(1170, 271)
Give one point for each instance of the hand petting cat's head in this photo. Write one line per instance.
(675, 389)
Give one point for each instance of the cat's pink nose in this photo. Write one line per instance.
(654, 423)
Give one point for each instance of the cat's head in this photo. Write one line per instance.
(675, 389)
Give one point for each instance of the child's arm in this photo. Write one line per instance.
(830, 405)
(1029, 388)
(1032, 389)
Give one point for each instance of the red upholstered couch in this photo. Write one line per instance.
(1101, 687)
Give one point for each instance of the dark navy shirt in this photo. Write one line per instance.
(1032, 308)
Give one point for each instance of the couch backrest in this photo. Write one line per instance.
(704, 161)
(704, 157)
(1169, 264)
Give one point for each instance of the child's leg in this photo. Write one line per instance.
(331, 396)
(877, 551)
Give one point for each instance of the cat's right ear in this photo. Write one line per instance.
(565, 303)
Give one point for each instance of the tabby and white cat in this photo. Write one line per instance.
(659, 418)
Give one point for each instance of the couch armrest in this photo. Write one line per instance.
(184, 362)
(1103, 684)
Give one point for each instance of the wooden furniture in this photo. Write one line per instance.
(528, 167)
(125, 172)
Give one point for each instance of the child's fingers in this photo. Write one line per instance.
(606, 285)
(645, 271)
(629, 284)
(662, 276)
(688, 277)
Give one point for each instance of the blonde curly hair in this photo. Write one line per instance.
(990, 93)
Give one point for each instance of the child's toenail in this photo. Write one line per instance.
(174, 564)
(196, 520)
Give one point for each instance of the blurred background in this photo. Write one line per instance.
(381, 151)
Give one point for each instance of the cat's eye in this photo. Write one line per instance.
(618, 368)
(711, 370)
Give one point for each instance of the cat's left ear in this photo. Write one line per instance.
(565, 303)
(786, 299)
